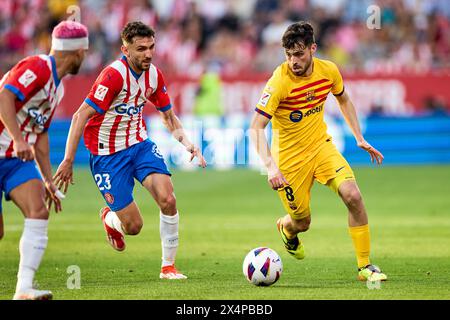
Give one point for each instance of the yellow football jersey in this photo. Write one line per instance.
(295, 105)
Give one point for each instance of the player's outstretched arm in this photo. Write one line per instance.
(349, 113)
(173, 124)
(64, 173)
(275, 178)
(8, 117)
(41, 150)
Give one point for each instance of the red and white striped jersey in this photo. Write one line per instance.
(38, 91)
(118, 95)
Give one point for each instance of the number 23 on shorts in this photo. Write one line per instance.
(103, 181)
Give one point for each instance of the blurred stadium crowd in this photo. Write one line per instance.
(234, 36)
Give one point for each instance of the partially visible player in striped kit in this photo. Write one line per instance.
(116, 136)
(29, 95)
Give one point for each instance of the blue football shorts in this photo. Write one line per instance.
(13, 173)
(114, 174)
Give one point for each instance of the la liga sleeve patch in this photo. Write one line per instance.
(101, 92)
(27, 78)
(264, 98)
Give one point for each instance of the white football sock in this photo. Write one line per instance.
(168, 229)
(31, 247)
(114, 222)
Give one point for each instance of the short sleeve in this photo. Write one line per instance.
(271, 96)
(27, 77)
(105, 89)
(338, 83)
(160, 98)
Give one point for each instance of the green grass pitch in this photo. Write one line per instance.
(224, 215)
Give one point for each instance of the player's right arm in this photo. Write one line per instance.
(64, 174)
(102, 94)
(272, 94)
(275, 177)
(8, 118)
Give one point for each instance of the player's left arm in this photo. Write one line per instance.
(350, 116)
(160, 98)
(41, 150)
(173, 124)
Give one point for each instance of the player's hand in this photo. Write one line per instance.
(375, 155)
(64, 175)
(277, 180)
(195, 152)
(53, 196)
(23, 150)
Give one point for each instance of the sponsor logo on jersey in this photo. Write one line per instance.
(264, 98)
(130, 110)
(27, 78)
(101, 92)
(296, 116)
(314, 110)
(37, 116)
(293, 206)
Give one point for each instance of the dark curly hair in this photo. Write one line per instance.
(299, 33)
(136, 29)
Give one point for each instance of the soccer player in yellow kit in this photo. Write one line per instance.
(302, 151)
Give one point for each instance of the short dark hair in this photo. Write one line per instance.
(298, 33)
(136, 29)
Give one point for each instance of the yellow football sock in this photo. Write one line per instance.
(361, 241)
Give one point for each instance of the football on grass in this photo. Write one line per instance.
(262, 266)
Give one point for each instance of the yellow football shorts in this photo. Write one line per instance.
(328, 167)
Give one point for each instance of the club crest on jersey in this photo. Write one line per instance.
(296, 116)
(264, 98)
(148, 92)
(100, 93)
(310, 96)
(27, 78)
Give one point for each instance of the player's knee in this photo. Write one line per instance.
(39, 212)
(133, 228)
(168, 203)
(353, 197)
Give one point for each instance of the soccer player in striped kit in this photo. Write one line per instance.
(29, 95)
(116, 136)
